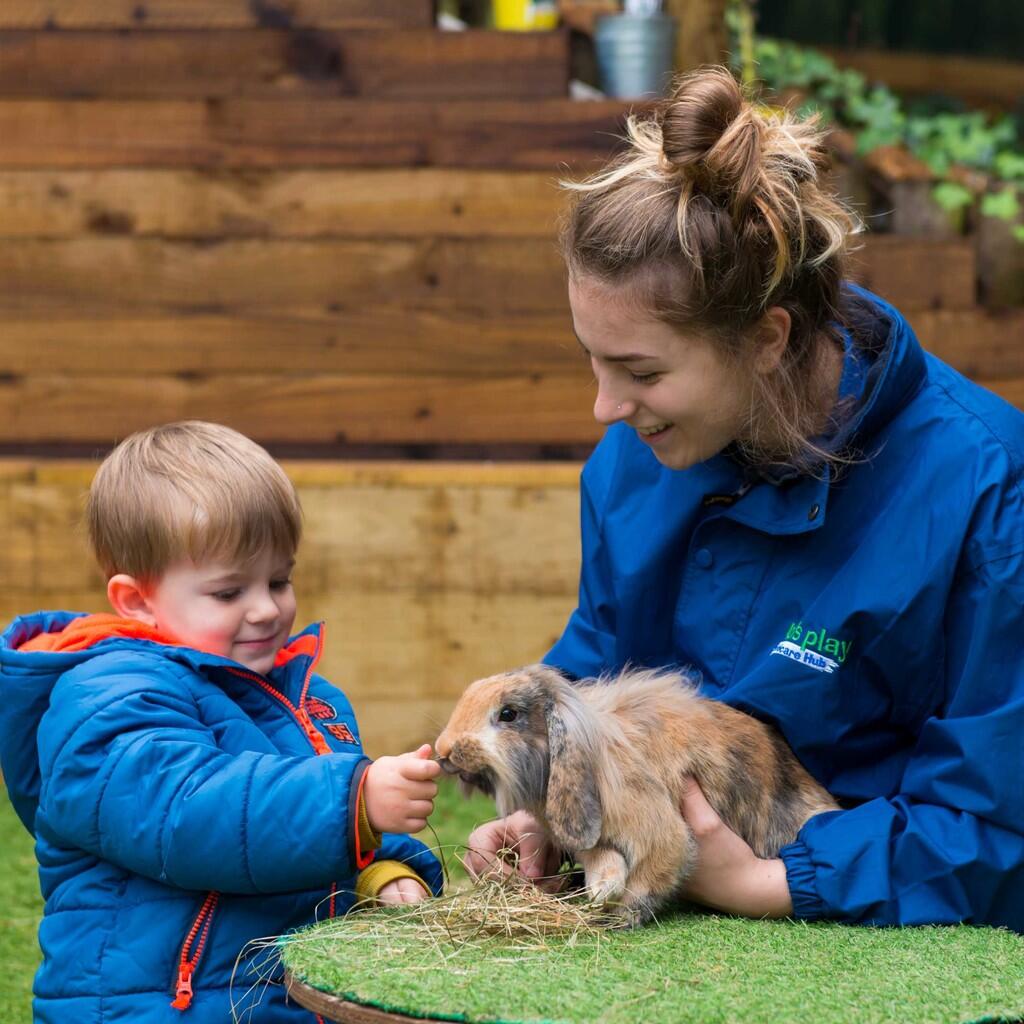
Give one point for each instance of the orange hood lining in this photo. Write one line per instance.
(89, 630)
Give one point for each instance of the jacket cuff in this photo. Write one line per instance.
(358, 855)
(369, 837)
(807, 904)
(371, 880)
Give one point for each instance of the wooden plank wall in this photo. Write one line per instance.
(428, 575)
(321, 221)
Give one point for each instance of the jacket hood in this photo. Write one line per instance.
(36, 650)
(26, 680)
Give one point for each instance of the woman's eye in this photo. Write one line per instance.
(643, 378)
(507, 714)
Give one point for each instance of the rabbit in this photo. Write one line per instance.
(601, 762)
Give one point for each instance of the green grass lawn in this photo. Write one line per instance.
(20, 907)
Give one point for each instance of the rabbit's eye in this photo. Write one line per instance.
(507, 714)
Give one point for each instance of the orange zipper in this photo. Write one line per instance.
(315, 737)
(189, 961)
(190, 957)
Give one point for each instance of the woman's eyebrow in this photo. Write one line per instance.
(631, 357)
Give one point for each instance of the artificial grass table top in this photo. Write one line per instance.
(687, 967)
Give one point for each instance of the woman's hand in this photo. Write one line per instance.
(402, 890)
(729, 876)
(520, 833)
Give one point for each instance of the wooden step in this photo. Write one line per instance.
(985, 346)
(276, 133)
(488, 277)
(304, 203)
(362, 340)
(422, 64)
(170, 14)
(918, 273)
(316, 409)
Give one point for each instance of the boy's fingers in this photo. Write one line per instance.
(417, 770)
(421, 808)
(411, 890)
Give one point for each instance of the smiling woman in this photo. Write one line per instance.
(680, 395)
(790, 494)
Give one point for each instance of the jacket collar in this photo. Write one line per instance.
(49, 641)
(785, 502)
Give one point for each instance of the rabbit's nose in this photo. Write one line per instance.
(447, 767)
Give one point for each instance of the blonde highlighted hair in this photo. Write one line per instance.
(714, 213)
(189, 490)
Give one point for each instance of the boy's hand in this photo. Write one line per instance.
(402, 890)
(399, 791)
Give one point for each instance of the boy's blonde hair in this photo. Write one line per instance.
(189, 490)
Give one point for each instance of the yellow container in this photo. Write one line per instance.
(525, 15)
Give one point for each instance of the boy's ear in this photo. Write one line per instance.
(127, 597)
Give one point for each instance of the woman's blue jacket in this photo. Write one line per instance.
(169, 793)
(875, 616)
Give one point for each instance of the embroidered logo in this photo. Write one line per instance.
(320, 709)
(340, 731)
(813, 647)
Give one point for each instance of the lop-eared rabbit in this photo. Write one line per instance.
(600, 763)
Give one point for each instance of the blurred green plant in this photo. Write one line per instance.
(988, 148)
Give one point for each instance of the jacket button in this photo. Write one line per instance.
(704, 558)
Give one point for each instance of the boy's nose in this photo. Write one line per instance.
(263, 610)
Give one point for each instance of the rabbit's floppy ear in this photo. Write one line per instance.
(573, 807)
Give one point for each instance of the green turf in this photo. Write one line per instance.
(20, 907)
(690, 967)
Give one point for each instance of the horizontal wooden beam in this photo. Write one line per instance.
(122, 277)
(422, 64)
(170, 14)
(305, 408)
(918, 273)
(986, 345)
(486, 276)
(356, 341)
(981, 344)
(984, 81)
(184, 204)
(275, 133)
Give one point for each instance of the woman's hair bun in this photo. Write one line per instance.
(711, 134)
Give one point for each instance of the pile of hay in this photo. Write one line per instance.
(508, 913)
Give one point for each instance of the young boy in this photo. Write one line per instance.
(191, 783)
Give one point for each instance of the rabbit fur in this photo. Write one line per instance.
(601, 763)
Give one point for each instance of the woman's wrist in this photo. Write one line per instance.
(766, 890)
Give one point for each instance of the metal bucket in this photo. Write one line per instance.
(634, 54)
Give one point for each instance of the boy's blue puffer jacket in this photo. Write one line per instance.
(180, 811)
